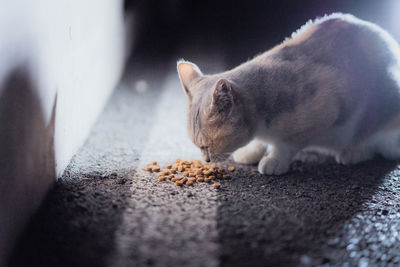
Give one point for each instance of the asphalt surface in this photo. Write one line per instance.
(106, 211)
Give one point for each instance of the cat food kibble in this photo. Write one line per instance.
(216, 185)
(184, 172)
(200, 179)
(156, 168)
(168, 166)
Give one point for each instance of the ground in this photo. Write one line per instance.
(106, 211)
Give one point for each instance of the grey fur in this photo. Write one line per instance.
(333, 86)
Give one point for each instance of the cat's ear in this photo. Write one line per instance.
(187, 72)
(223, 97)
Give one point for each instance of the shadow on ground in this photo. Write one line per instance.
(292, 219)
(75, 225)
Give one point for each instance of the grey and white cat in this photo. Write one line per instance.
(332, 88)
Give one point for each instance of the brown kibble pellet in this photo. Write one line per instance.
(179, 183)
(207, 180)
(185, 173)
(226, 176)
(200, 179)
(173, 171)
(180, 169)
(189, 183)
(212, 177)
(192, 174)
(184, 179)
(199, 172)
(206, 172)
(156, 168)
(216, 185)
(161, 178)
(148, 169)
(192, 179)
(231, 168)
(164, 173)
(168, 166)
(154, 163)
(170, 176)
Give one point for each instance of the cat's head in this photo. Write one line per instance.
(218, 121)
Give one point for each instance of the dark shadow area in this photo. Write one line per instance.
(241, 29)
(275, 221)
(27, 165)
(75, 225)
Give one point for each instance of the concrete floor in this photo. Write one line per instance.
(106, 211)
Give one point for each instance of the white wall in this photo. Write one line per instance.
(75, 48)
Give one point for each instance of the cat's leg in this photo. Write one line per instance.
(387, 144)
(278, 160)
(354, 156)
(310, 157)
(251, 153)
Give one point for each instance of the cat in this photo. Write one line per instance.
(332, 88)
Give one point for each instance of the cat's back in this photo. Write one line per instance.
(356, 62)
(341, 40)
(367, 59)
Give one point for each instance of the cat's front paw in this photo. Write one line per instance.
(273, 166)
(249, 154)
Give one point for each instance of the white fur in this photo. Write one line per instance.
(278, 159)
(251, 153)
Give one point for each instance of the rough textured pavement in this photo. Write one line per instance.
(106, 211)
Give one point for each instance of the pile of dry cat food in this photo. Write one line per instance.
(185, 172)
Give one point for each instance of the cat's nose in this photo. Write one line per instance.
(205, 154)
(206, 157)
